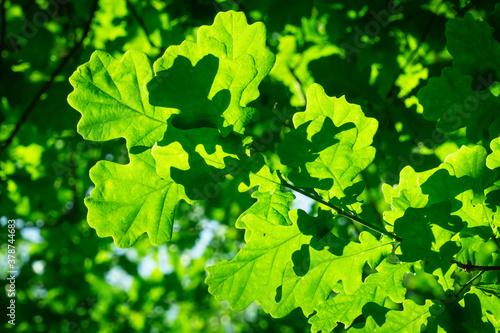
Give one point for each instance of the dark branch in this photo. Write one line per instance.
(468, 284)
(2, 31)
(469, 267)
(412, 55)
(340, 211)
(47, 85)
(143, 27)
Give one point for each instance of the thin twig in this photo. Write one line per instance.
(412, 55)
(341, 211)
(468, 283)
(469, 267)
(143, 26)
(47, 85)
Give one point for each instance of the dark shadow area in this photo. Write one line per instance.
(351, 194)
(493, 199)
(455, 318)
(297, 141)
(186, 88)
(279, 294)
(484, 232)
(376, 311)
(301, 260)
(206, 169)
(338, 77)
(441, 186)
(415, 227)
(320, 227)
(136, 150)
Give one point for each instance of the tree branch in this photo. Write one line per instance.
(2, 31)
(468, 283)
(341, 211)
(47, 85)
(469, 267)
(143, 27)
(412, 55)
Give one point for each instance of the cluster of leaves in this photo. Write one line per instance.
(214, 119)
(186, 132)
(69, 280)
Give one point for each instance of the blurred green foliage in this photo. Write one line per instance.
(378, 55)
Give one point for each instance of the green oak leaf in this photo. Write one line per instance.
(469, 246)
(285, 267)
(208, 85)
(345, 308)
(493, 159)
(186, 88)
(197, 158)
(272, 207)
(491, 289)
(427, 234)
(462, 181)
(129, 200)
(111, 97)
(334, 139)
(234, 60)
(451, 101)
(489, 297)
(472, 45)
(431, 207)
(410, 319)
(465, 315)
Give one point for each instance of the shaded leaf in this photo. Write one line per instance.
(334, 138)
(451, 101)
(411, 319)
(345, 308)
(242, 62)
(472, 45)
